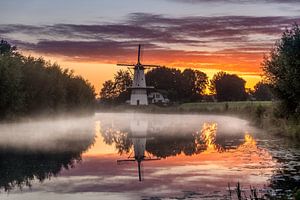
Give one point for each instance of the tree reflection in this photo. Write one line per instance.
(163, 145)
(18, 168)
(119, 138)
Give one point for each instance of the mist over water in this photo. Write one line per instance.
(46, 134)
(51, 134)
(195, 157)
(175, 123)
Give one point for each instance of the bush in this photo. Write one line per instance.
(282, 70)
(31, 85)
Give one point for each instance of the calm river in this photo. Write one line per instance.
(145, 156)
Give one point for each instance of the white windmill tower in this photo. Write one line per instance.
(138, 88)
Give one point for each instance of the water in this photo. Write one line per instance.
(144, 156)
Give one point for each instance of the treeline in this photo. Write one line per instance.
(186, 86)
(31, 85)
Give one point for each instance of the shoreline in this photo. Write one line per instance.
(261, 114)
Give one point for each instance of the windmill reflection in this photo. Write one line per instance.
(138, 137)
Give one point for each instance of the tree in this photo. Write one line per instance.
(282, 70)
(262, 92)
(12, 96)
(115, 91)
(228, 87)
(51, 89)
(167, 79)
(123, 80)
(188, 85)
(80, 93)
(108, 92)
(5, 47)
(31, 85)
(194, 83)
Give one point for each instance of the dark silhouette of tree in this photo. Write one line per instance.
(29, 85)
(167, 79)
(49, 88)
(108, 92)
(262, 92)
(228, 87)
(115, 91)
(123, 80)
(194, 84)
(188, 85)
(12, 96)
(282, 70)
(6, 48)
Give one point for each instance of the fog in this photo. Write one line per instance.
(174, 123)
(63, 134)
(47, 134)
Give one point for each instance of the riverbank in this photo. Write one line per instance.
(263, 114)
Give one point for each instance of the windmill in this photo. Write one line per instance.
(139, 138)
(138, 88)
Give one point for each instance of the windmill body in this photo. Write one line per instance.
(139, 88)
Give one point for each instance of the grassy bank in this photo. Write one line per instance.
(216, 107)
(263, 114)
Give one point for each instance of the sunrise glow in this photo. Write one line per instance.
(205, 35)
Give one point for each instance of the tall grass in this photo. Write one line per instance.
(264, 114)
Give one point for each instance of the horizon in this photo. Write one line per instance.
(92, 37)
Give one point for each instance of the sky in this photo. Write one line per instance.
(92, 36)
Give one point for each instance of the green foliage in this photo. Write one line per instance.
(194, 83)
(282, 70)
(167, 79)
(259, 113)
(30, 85)
(185, 86)
(6, 48)
(230, 107)
(12, 96)
(228, 87)
(297, 195)
(262, 92)
(115, 91)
